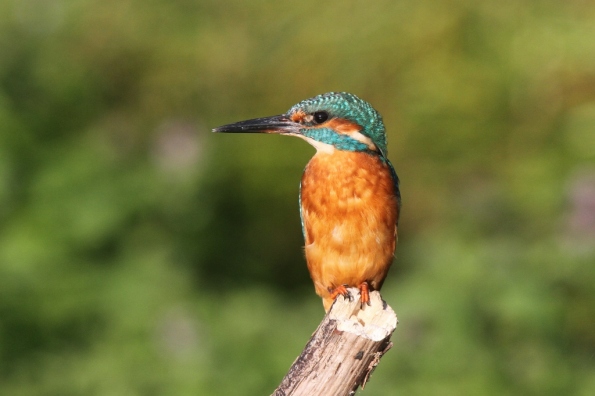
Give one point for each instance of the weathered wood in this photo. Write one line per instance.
(344, 350)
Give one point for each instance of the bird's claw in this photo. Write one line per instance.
(364, 292)
(341, 290)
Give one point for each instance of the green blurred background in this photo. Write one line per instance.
(141, 254)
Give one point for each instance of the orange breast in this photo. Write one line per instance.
(349, 211)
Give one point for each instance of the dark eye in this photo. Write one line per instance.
(320, 117)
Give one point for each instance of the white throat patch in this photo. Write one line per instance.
(360, 137)
(319, 146)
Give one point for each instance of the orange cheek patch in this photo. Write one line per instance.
(349, 128)
(341, 125)
(298, 116)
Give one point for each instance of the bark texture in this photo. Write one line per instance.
(344, 349)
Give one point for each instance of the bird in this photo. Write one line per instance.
(349, 196)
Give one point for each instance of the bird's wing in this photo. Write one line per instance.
(396, 184)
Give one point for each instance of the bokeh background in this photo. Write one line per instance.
(140, 254)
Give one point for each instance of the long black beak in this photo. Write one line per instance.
(275, 124)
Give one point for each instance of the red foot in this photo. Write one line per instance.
(340, 290)
(364, 291)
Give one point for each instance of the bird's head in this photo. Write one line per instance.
(331, 121)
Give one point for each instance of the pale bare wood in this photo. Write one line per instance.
(344, 350)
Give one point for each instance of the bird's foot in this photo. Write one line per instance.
(341, 290)
(364, 292)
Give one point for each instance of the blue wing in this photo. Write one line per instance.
(396, 184)
(301, 215)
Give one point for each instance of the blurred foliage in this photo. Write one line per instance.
(142, 255)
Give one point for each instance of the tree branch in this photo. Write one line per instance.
(344, 350)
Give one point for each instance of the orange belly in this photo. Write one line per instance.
(349, 211)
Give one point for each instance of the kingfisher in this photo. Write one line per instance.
(349, 193)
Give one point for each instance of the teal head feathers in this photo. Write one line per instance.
(334, 120)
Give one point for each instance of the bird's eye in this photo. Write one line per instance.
(320, 117)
